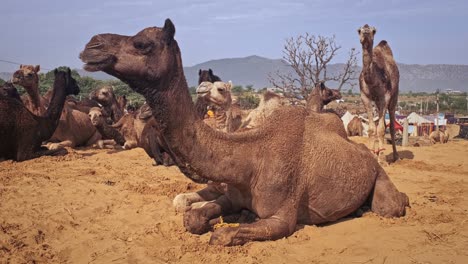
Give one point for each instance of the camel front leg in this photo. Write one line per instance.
(370, 115)
(197, 217)
(272, 228)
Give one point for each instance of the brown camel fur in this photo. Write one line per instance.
(217, 95)
(355, 127)
(22, 132)
(295, 169)
(378, 82)
(28, 77)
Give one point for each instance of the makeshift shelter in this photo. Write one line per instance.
(418, 125)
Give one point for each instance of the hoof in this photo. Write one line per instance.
(196, 222)
(226, 236)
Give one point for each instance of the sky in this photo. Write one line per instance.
(52, 33)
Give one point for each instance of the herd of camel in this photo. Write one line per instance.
(280, 166)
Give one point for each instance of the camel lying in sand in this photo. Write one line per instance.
(297, 168)
(22, 132)
(441, 135)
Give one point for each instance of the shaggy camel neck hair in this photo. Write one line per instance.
(378, 83)
(299, 168)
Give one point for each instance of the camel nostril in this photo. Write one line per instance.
(94, 45)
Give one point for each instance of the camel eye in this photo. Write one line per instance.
(143, 46)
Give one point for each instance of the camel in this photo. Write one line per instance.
(106, 97)
(297, 168)
(378, 83)
(107, 132)
(22, 132)
(9, 90)
(227, 115)
(74, 128)
(355, 127)
(218, 95)
(440, 135)
(320, 96)
(28, 77)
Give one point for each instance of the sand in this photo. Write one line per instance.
(106, 206)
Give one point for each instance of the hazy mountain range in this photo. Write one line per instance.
(254, 70)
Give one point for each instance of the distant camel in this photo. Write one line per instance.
(22, 132)
(28, 77)
(378, 82)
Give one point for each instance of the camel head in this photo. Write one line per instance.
(71, 86)
(326, 94)
(207, 76)
(27, 76)
(366, 34)
(217, 93)
(96, 117)
(103, 95)
(145, 112)
(9, 90)
(140, 60)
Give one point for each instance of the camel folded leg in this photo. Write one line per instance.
(386, 200)
(265, 229)
(197, 217)
(209, 193)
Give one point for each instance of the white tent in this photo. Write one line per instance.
(414, 118)
(346, 118)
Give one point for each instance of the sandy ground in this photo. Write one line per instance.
(102, 206)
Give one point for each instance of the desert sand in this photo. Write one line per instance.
(108, 206)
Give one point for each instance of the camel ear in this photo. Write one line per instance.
(229, 86)
(210, 71)
(322, 85)
(199, 72)
(21, 66)
(55, 71)
(37, 68)
(359, 31)
(68, 71)
(169, 30)
(374, 30)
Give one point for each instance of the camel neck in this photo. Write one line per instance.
(185, 134)
(367, 54)
(51, 118)
(33, 92)
(315, 103)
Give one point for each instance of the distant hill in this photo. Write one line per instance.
(254, 70)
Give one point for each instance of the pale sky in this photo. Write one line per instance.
(52, 33)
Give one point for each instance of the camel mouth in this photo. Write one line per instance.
(96, 63)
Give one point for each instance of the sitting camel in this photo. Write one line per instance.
(297, 168)
(441, 135)
(74, 128)
(355, 127)
(106, 97)
(107, 132)
(22, 132)
(269, 102)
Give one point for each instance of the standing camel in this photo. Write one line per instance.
(379, 85)
(298, 168)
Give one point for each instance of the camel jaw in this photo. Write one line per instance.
(96, 62)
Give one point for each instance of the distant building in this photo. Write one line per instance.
(451, 91)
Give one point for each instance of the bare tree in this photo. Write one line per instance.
(309, 57)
